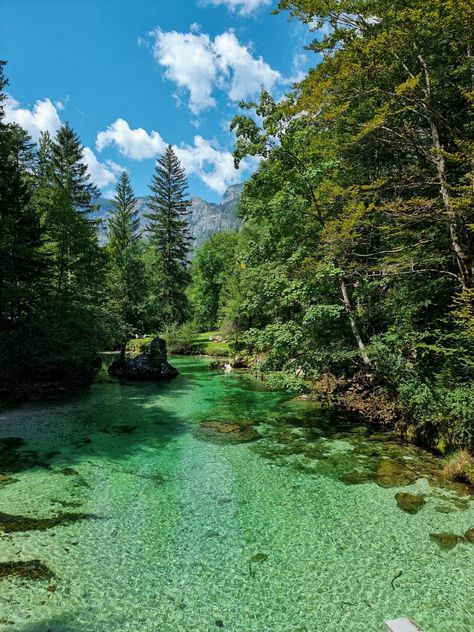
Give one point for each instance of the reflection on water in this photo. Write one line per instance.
(121, 510)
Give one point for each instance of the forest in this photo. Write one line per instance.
(351, 279)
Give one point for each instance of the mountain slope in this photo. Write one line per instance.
(206, 219)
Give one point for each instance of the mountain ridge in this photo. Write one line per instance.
(205, 220)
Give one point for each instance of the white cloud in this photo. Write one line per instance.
(244, 7)
(190, 63)
(136, 144)
(102, 174)
(198, 64)
(214, 166)
(43, 117)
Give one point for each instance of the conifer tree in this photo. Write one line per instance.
(127, 275)
(170, 237)
(72, 236)
(124, 223)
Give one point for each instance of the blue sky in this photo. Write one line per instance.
(133, 75)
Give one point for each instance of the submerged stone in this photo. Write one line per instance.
(258, 558)
(409, 502)
(391, 473)
(33, 569)
(13, 523)
(7, 480)
(469, 535)
(357, 478)
(446, 541)
(221, 432)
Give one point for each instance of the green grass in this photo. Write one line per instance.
(212, 348)
(202, 343)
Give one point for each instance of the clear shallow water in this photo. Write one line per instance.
(198, 536)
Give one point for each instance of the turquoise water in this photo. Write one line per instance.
(186, 534)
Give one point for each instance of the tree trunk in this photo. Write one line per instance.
(355, 330)
(462, 259)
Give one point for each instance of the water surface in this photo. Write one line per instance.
(181, 534)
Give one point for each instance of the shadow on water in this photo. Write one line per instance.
(112, 421)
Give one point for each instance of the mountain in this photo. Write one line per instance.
(206, 219)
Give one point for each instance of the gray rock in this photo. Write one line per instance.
(152, 365)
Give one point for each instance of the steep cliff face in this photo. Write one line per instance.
(206, 219)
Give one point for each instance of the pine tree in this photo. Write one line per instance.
(170, 237)
(127, 274)
(73, 246)
(19, 223)
(124, 223)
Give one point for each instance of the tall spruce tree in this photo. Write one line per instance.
(19, 223)
(127, 288)
(124, 223)
(73, 245)
(170, 237)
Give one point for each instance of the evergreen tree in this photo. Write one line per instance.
(170, 238)
(124, 223)
(127, 287)
(19, 223)
(72, 236)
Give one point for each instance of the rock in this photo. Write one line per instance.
(469, 535)
(33, 569)
(258, 558)
(157, 351)
(391, 473)
(222, 432)
(446, 541)
(7, 480)
(409, 502)
(239, 362)
(15, 523)
(152, 365)
(216, 365)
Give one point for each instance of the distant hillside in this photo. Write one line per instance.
(207, 218)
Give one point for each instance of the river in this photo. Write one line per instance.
(135, 519)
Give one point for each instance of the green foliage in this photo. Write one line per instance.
(181, 339)
(211, 267)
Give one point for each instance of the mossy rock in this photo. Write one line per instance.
(14, 523)
(392, 473)
(469, 535)
(446, 541)
(33, 569)
(221, 432)
(410, 503)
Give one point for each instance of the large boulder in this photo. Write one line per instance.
(152, 365)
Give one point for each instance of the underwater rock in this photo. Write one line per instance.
(446, 541)
(409, 502)
(7, 480)
(357, 478)
(469, 535)
(33, 569)
(391, 473)
(258, 558)
(13, 523)
(11, 442)
(222, 432)
(151, 365)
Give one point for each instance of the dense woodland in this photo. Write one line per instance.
(352, 276)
